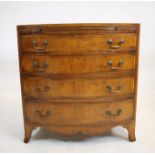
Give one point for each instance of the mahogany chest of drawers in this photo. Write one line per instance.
(79, 78)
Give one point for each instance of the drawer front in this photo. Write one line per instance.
(76, 43)
(76, 113)
(77, 64)
(44, 87)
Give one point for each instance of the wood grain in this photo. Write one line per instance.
(73, 42)
(76, 64)
(78, 114)
(64, 75)
(77, 87)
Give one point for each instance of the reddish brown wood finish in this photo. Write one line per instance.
(76, 64)
(77, 43)
(79, 113)
(73, 72)
(43, 87)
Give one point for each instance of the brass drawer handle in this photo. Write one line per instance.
(41, 92)
(118, 113)
(118, 45)
(110, 89)
(43, 114)
(38, 66)
(119, 65)
(37, 47)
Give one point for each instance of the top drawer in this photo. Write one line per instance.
(76, 42)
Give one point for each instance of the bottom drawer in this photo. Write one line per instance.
(78, 113)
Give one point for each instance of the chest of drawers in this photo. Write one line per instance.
(79, 78)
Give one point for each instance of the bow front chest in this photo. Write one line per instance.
(79, 78)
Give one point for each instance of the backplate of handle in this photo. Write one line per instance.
(41, 92)
(118, 66)
(43, 114)
(39, 66)
(39, 47)
(118, 89)
(115, 46)
(110, 113)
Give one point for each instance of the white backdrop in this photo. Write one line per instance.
(18, 13)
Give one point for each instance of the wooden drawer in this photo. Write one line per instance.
(77, 64)
(45, 87)
(76, 43)
(78, 113)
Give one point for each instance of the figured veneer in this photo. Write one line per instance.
(30, 43)
(77, 64)
(79, 78)
(46, 87)
(79, 113)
